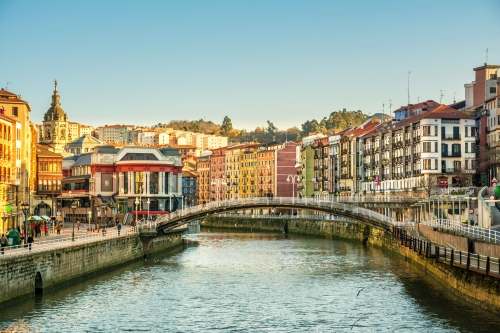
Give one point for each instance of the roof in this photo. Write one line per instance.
(188, 174)
(41, 151)
(86, 139)
(486, 66)
(85, 159)
(421, 105)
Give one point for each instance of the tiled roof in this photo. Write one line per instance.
(44, 152)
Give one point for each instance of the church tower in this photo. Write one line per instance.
(55, 126)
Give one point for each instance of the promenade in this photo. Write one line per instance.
(65, 239)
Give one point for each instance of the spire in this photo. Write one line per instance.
(55, 96)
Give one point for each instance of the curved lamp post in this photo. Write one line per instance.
(293, 179)
(136, 210)
(74, 206)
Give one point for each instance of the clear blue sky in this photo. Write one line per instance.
(145, 62)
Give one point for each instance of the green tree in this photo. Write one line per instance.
(194, 127)
(227, 126)
(271, 128)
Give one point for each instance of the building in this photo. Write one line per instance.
(218, 174)
(74, 130)
(189, 185)
(17, 148)
(203, 180)
(403, 156)
(248, 181)
(117, 133)
(127, 183)
(82, 145)
(55, 129)
(48, 181)
(306, 169)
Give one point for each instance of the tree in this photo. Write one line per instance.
(271, 128)
(429, 184)
(193, 127)
(227, 126)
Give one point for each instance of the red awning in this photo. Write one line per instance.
(151, 212)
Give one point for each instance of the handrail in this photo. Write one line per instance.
(320, 217)
(42, 246)
(486, 234)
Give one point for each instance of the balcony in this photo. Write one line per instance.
(343, 151)
(451, 154)
(345, 189)
(416, 173)
(416, 139)
(447, 170)
(407, 142)
(450, 137)
(416, 156)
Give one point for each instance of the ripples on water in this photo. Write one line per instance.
(251, 282)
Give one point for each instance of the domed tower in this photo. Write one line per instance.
(55, 124)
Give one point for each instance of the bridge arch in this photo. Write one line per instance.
(360, 214)
(38, 283)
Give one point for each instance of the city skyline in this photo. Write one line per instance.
(251, 61)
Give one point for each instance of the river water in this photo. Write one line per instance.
(255, 282)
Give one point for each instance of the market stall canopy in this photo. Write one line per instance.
(35, 218)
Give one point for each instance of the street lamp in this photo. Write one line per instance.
(113, 212)
(136, 210)
(103, 207)
(74, 206)
(26, 210)
(4, 218)
(293, 179)
(148, 203)
(87, 204)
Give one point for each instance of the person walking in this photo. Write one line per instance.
(3, 243)
(119, 227)
(46, 229)
(78, 225)
(31, 240)
(58, 228)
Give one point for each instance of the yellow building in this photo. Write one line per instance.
(232, 165)
(248, 171)
(15, 188)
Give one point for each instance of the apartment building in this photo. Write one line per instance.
(203, 181)
(400, 155)
(115, 133)
(306, 169)
(218, 174)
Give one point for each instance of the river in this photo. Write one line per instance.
(254, 282)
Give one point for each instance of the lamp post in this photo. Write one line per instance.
(74, 206)
(87, 204)
(148, 203)
(136, 210)
(182, 207)
(293, 179)
(4, 218)
(113, 212)
(26, 211)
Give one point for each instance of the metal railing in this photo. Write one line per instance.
(317, 217)
(57, 243)
(486, 234)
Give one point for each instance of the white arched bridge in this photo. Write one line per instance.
(349, 210)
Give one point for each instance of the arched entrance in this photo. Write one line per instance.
(38, 283)
(42, 209)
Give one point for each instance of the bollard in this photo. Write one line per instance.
(467, 265)
(451, 258)
(437, 252)
(487, 265)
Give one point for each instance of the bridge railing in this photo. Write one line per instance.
(486, 234)
(300, 203)
(42, 246)
(320, 217)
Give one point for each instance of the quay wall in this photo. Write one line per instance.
(476, 288)
(23, 275)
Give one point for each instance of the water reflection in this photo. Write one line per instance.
(256, 282)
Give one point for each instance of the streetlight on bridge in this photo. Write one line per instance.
(293, 179)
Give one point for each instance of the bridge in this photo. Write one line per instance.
(348, 209)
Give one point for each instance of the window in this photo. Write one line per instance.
(426, 130)
(15, 111)
(427, 164)
(427, 147)
(472, 131)
(436, 147)
(472, 147)
(493, 90)
(467, 129)
(435, 163)
(435, 131)
(466, 147)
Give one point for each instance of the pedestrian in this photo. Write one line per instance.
(46, 229)
(78, 225)
(22, 235)
(119, 227)
(3, 243)
(107, 222)
(103, 232)
(31, 240)
(58, 228)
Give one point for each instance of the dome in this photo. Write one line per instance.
(55, 112)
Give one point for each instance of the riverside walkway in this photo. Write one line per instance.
(65, 239)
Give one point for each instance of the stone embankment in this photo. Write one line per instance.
(23, 275)
(475, 287)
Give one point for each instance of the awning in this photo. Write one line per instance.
(34, 217)
(45, 217)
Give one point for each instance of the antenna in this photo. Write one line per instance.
(441, 99)
(409, 87)
(7, 87)
(486, 57)
(418, 99)
(454, 100)
(390, 107)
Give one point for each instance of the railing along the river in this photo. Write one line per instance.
(489, 266)
(317, 203)
(486, 234)
(56, 243)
